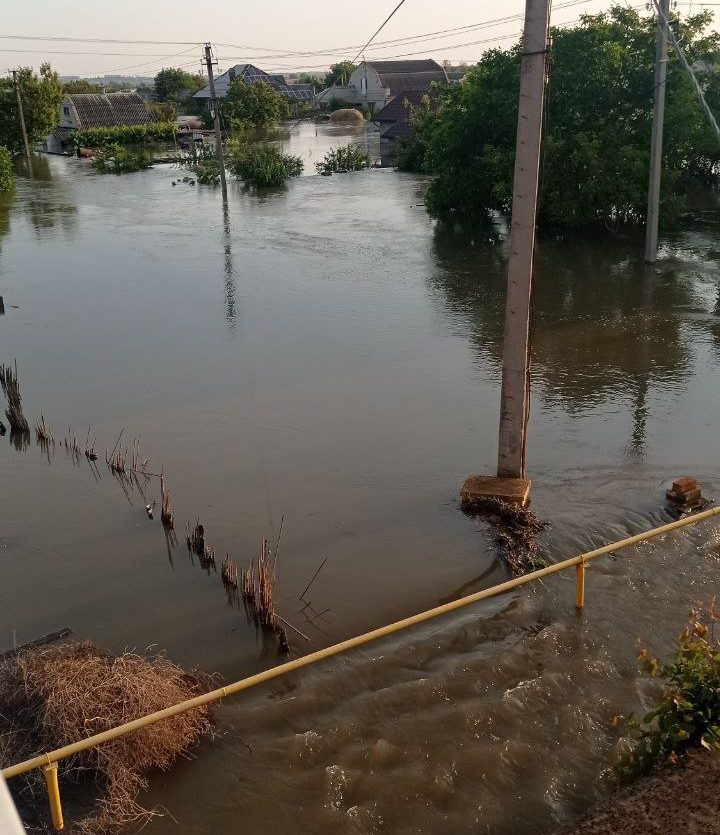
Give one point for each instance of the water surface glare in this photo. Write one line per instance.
(324, 354)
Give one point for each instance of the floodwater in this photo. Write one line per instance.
(323, 354)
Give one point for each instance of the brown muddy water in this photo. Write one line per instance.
(325, 354)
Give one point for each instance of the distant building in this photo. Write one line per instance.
(394, 118)
(374, 83)
(82, 111)
(251, 74)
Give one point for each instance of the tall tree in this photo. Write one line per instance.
(597, 141)
(41, 96)
(176, 85)
(253, 105)
(339, 73)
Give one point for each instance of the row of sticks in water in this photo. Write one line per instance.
(255, 584)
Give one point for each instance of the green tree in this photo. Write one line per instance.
(176, 85)
(41, 96)
(339, 73)
(80, 86)
(253, 105)
(597, 140)
(310, 78)
(7, 175)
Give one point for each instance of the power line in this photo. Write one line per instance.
(96, 40)
(379, 30)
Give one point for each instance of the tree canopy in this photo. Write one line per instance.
(339, 73)
(597, 138)
(253, 105)
(41, 96)
(176, 85)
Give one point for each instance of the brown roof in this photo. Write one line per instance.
(400, 76)
(100, 110)
(399, 106)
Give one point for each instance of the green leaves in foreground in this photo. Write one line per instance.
(688, 712)
(115, 159)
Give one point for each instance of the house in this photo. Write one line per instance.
(251, 74)
(394, 118)
(374, 83)
(82, 111)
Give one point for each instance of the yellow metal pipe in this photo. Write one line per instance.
(580, 585)
(344, 646)
(53, 789)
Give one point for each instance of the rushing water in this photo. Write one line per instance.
(324, 354)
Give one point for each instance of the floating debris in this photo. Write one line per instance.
(150, 508)
(11, 389)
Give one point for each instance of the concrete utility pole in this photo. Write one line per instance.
(656, 145)
(216, 114)
(515, 393)
(21, 116)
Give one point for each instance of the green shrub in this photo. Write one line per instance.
(7, 174)
(124, 135)
(340, 160)
(687, 714)
(118, 160)
(204, 163)
(262, 165)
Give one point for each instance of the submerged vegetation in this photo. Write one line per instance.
(54, 696)
(343, 159)
(597, 138)
(124, 135)
(261, 165)
(114, 159)
(687, 714)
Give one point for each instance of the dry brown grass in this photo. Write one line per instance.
(53, 696)
(11, 388)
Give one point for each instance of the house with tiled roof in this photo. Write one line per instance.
(374, 83)
(251, 74)
(82, 111)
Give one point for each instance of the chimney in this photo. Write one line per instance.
(102, 90)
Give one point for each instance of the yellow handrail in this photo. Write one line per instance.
(351, 643)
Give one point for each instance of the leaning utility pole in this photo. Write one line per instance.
(510, 484)
(515, 392)
(656, 145)
(21, 116)
(216, 114)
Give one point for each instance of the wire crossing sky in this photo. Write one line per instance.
(283, 36)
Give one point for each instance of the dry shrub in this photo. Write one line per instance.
(53, 696)
(516, 531)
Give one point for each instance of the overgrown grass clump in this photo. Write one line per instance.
(53, 696)
(343, 159)
(124, 135)
(115, 159)
(262, 165)
(687, 714)
(7, 173)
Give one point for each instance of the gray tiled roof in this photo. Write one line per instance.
(250, 74)
(401, 76)
(100, 110)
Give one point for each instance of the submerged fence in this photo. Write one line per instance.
(49, 762)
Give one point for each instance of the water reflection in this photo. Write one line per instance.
(603, 324)
(228, 269)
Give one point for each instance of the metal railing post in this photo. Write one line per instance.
(580, 585)
(53, 789)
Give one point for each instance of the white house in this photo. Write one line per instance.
(373, 83)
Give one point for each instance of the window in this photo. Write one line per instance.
(363, 85)
(66, 111)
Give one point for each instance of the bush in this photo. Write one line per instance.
(7, 175)
(340, 160)
(253, 105)
(688, 712)
(262, 165)
(204, 163)
(124, 135)
(118, 160)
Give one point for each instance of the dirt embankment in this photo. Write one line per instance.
(680, 800)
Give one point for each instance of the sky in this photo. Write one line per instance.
(268, 34)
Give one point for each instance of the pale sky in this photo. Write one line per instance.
(257, 33)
